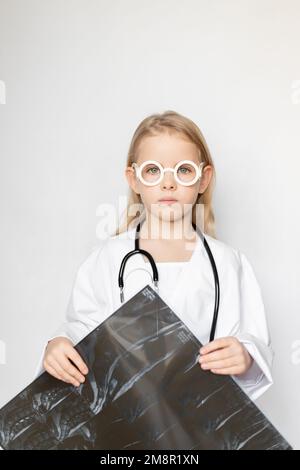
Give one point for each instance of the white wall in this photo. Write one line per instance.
(76, 77)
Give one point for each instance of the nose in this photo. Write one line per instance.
(168, 181)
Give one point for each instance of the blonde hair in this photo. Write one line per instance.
(171, 121)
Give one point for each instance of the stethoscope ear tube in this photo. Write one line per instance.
(137, 251)
(217, 291)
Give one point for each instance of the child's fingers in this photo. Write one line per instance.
(225, 363)
(53, 369)
(216, 356)
(77, 359)
(62, 372)
(53, 372)
(227, 371)
(70, 369)
(215, 344)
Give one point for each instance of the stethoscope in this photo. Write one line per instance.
(137, 250)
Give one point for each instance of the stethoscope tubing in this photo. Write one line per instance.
(138, 250)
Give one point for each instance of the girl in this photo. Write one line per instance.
(170, 205)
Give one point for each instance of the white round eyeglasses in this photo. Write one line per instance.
(151, 172)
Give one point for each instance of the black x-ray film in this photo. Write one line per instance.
(145, 390)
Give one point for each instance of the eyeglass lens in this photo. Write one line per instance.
(185, 173)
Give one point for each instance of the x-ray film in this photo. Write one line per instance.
(145, 390)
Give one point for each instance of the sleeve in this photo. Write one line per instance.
(84, 310)
(253, 333)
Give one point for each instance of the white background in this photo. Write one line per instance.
(78, 77)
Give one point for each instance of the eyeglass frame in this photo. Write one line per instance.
(138, 170)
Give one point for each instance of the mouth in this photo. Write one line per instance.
(167, 201)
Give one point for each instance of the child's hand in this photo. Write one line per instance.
(56, 361)
(225, 356)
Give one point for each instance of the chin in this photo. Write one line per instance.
(170, 216)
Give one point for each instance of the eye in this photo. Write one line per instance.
(153, 170)
(185, 170)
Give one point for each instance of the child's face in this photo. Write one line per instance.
(168, 150)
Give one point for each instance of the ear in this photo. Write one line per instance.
(205, 178)
(131, 179)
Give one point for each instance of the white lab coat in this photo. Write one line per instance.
(95, 296)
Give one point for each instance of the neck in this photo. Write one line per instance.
(155, 228)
